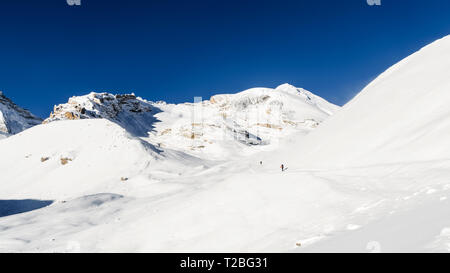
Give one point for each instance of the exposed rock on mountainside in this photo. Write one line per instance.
(132, 113)
(98, 105)
(14, 119)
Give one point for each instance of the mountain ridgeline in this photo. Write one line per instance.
(218, 126)
(13, 118)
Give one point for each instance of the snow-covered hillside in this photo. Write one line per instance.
(402, 116)
(14, 119)
(91, 148)
(390, 144)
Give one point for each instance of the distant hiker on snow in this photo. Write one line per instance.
(282, 167)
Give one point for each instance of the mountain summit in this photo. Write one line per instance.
(14, 119)
(230, 123)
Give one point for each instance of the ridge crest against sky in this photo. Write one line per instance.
(176, 50)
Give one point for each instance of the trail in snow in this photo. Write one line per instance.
(256, 209)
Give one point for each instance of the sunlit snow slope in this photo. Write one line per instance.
(390, 144)
(98, 152)
(402, 116)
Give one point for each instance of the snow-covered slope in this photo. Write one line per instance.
(402, 116)
(14, 119)
(82, 157)
(390, 144)
(95, 153)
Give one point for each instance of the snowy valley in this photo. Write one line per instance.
(118, 173)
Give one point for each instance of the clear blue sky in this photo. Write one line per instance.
(175, 50)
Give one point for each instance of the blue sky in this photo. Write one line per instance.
(175, 50)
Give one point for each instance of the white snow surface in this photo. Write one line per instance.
(402, 116)
(371, 178)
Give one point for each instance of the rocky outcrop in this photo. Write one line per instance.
(133, 113)
(13, 118)
(98, 105)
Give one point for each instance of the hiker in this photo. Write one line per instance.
(260, 162)
(282, 167)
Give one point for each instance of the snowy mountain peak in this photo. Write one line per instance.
(14, 119)
(228, 123)
(309, 97)
(98, 105)
(132, 113)
(287, 88)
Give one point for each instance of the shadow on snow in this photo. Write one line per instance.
(11, 207)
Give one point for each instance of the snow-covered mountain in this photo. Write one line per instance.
(372, 177)
(230, 124)
(14, 119)
(217, 127)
